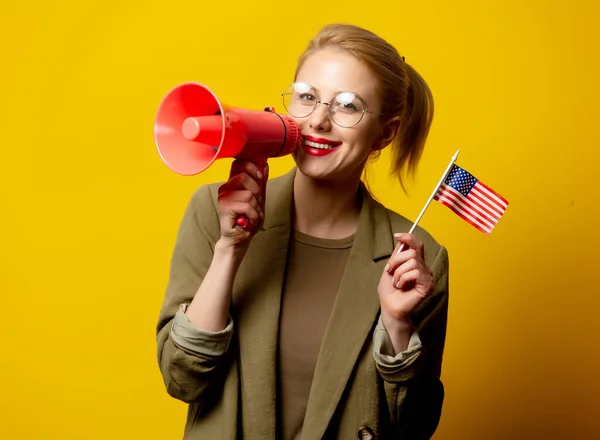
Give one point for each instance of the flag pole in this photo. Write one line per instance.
(448, 168)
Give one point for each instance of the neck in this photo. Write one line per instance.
(325, 209)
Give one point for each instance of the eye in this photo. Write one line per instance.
(348, 102)
(348, 107)
(306, 97)
(304, 93)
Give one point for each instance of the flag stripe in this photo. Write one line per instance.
(466, 218)
(493, 194)
(459, 205)
(481, 198)
(463, 204)
(474, 203)
(482, 204)
(464, 215)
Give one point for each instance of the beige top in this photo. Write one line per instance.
(314, 270)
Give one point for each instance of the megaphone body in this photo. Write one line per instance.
(193, 128)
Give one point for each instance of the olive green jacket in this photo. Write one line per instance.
(229, 377)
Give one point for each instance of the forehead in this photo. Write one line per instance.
(332, 70)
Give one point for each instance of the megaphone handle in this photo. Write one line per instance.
(242, 222)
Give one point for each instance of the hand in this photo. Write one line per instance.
(243, 194)
(405, 282)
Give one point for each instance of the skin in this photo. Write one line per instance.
(325, 198)
(325, 187)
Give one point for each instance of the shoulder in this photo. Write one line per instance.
(433, 249)
(201, 214)
(204, 201)
(208, 194)
(203, 206)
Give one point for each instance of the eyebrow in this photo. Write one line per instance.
(336, 92)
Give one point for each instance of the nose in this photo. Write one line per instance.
(320, 119)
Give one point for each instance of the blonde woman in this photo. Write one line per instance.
(309, 324)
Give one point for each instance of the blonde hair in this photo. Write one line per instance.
(403, 91)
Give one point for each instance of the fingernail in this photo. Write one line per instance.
(398, 235)
(261, 215)
(259, 175)
(387, 267)
(397, 285)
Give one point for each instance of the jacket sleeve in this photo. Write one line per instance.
(414, 391)
(191, 360)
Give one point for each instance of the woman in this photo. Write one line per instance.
(309, 323)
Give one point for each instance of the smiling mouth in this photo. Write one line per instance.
(320, 144)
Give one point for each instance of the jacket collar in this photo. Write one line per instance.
(373, 237)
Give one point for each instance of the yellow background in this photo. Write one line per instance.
(89, 213)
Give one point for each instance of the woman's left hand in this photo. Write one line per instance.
(405, 282)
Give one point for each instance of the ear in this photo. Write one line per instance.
(388, 133)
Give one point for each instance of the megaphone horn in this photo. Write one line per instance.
(193, 128)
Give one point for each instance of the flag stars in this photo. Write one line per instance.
(460, 180)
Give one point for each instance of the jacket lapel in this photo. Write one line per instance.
(257, 300)
(353, 316)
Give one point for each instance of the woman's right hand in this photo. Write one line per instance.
(243, 194)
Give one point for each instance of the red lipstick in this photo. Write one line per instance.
(324, 147)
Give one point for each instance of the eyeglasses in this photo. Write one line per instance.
(346, 109)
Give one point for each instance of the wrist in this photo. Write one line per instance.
(395, 325)
(399, 331)
(229, 254)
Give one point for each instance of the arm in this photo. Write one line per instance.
(412, 384)
(194, 329)
(187, 371)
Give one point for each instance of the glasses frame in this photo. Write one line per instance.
(329, 106)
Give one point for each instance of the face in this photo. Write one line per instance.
(332, 152)
(366, 435)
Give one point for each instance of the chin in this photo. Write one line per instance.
(318, 170)
(313, 170)
(323, 168)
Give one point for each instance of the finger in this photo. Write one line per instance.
(407, 280)
(242, 181)
(409, 241)
(243, 166)
(400, 258)
(241, 196)
(405, 267)
(237, 209)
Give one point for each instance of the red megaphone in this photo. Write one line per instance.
(192, 129)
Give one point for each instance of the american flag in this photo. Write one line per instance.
(473, 201)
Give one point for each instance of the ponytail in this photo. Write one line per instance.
(408, 146)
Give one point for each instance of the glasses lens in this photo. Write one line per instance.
(347, 109)
(299, 99)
